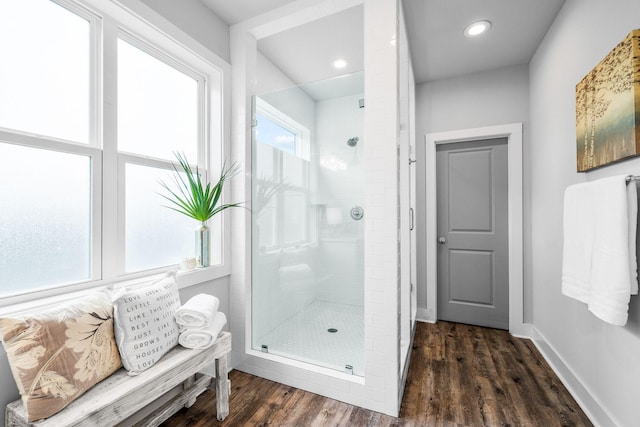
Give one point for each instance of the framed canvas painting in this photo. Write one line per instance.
(608, 108)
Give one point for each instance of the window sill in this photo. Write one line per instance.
(197, 276)
(38, 300)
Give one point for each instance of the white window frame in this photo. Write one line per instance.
(301, 132)
(125, 158)
(109, 20)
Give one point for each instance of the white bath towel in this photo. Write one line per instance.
(632, 212)
(599, 252)
(198, 312)
(613, 269)
(578, 233)
(200, 338)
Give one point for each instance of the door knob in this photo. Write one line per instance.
(442, 240)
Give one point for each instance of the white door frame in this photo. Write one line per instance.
(513, 133)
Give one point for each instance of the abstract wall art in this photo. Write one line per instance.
(608, 108)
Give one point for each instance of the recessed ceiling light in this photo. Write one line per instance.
(477, 28)
(340, 63)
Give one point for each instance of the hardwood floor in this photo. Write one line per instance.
(460, 375)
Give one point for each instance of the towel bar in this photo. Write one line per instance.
(633, 178)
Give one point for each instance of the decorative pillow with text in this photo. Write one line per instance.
(145, 324)
(57, 354)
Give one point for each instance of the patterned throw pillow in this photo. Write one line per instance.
(145, 324)
(57, 354)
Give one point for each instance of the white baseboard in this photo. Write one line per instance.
(589, 404)
(521, 330)
(422, 315)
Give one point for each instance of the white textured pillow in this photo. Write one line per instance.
(145, 325)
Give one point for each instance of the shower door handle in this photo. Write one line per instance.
(410, 219)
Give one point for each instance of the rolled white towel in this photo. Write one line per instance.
(201, 338)
(198, 312)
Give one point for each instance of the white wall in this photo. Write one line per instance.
(270, 78)
(604, 358)
(195, 19)
(477, 100)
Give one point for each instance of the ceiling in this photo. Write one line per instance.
(289, 50)
(234, 11)
(439, 49)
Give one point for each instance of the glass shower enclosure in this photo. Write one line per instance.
(308, 223)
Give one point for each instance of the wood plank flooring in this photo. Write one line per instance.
(460, 375)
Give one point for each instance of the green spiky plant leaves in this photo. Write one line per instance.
(191, 197)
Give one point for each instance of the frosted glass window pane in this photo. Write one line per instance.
(266, 224)
(295, 217)
(45, 218)
(271, 133)
(293, 170)
(264, 162)
(155, 236)
(157, 106)
(44, 77)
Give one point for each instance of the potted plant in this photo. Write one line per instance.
(191, 197)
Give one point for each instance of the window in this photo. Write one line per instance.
(271, 133)
(158, 114)
(282, 170)
(145, 214)
(280, 131)
(45, 235)
(93, 107)
(45, 72)
(156, 102)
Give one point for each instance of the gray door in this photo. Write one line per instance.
(473, 262)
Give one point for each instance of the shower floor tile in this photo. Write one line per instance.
(306, 336)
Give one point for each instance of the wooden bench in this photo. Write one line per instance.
(119, 396)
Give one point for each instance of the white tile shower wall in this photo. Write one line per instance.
(339, 187)
(341, 166)
(380, 389)
(381, 246)
(342, 281)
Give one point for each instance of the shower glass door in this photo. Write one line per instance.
(308, 223)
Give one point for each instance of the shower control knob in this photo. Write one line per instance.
(357, 213)
(442, 240)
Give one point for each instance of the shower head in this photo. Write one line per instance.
(352, 142)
